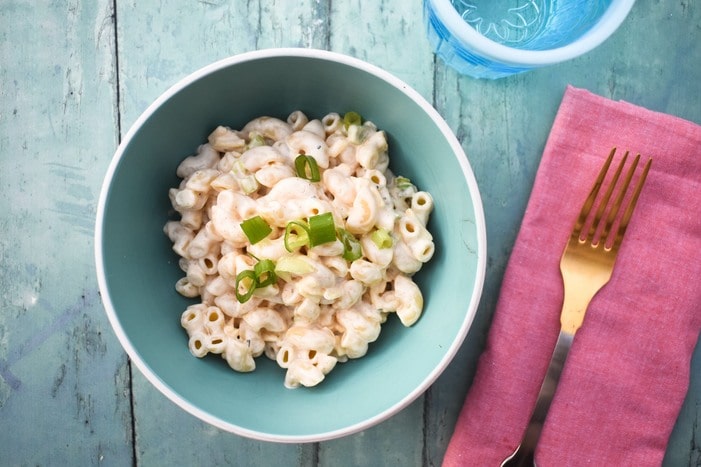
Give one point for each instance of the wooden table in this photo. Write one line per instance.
(74, 75)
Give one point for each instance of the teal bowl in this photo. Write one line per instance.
(137, 268)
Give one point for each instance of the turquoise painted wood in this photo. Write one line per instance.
(64, 382)
(74, 75)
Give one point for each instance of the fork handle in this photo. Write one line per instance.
(524, 453)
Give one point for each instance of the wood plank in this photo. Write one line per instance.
(167, 435)
(398, 442)
(389, 34)
(503, 150)
(160, 43)
(64, 389)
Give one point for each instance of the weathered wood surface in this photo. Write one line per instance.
(74, 75)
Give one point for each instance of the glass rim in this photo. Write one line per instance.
(467, 36)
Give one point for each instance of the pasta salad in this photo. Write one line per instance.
(298, 241)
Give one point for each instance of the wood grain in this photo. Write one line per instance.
(64, 386)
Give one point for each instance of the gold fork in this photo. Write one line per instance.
(586, 266)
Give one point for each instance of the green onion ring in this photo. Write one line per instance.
(256, 229)
(381, 238)
(307, 168)
(240, 277)
(321, 229)
(352, 118)
(351, 245)
(296, 235)
(265, 273)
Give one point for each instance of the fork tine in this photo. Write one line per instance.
(621, 230)
(589, 202)
(616, 206)
(605, 201)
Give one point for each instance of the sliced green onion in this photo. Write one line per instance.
(352, 118)
(321, 229)
(244, 178)
(256, 139)
(296, 235)
(381, 238)
(358, 134)
(293, 265)
(256, 229)
(403, 183)
(265, 273)
(307, 168)
(351, 245)
(246, 279)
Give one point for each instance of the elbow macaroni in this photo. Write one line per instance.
(322, 308)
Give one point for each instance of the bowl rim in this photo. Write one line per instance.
(615, 14)
(480, 226)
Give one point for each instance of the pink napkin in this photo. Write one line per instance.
(628, 370)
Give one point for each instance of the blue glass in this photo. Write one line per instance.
(511, 23)
(531, 24)
(520, 24)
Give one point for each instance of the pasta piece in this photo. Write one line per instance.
(265, 318)
(303, 372)
(207, 157)
(228, 304)
(370, 151)
(332, 123)
(311, 144)
(238, 356)
(224, 139)
(314, 284)
(226, 163)
(201, 180)
(269, 248)
(410, 300)
(297, 120)
(360, 329)
(262, 156)
(307, 311)
(366, 207)
(340, 186)
(180, 236)
(209, 263)
(382, 257)
(352, 292)
(226, 266)
(191, 218)
(198, 344)
(271, 175)
(316, 127)
(215, 343)
(231, 209)
(366, 272)
(192, 318)
(404, 260)
(186, 288)
(422, 205)
(217, 286)
(195, 274)
(416, 236)
(203, 244)
(270, 127)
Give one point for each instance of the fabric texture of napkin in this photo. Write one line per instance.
(628, 369)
